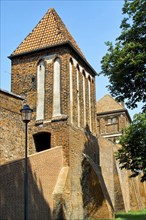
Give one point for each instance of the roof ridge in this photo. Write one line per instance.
(47, 13)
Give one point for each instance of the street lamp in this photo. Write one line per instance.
(26, 113)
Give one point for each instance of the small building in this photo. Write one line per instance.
(112, 117)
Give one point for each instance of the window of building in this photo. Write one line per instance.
(42, 141)
(40, 90)
(109, 121)
(33, 82)
(114, 120)
(84, 97)
(56, 88)
(71, 90)
(78, 100)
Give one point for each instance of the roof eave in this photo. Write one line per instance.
(61, 44)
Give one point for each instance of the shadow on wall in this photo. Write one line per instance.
(96, 200)
(12, 194)
(91, 146)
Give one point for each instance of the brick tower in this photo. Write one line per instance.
(51, 73)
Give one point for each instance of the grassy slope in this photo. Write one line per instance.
(137, 215)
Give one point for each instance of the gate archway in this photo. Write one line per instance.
(42, 141)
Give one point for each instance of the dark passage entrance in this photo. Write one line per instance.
(42, 141)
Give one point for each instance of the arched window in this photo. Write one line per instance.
(78, 100)
(71, 90)
(84, 97)
(89, 95)
(40, 90)
(56, 89)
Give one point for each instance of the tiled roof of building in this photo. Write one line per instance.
(50, 31)
(108, 104)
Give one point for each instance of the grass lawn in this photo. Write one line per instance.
(132, 215)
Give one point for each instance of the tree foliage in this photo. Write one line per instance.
(125, 63)
(132, 155)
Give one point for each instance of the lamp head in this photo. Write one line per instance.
(26, 113)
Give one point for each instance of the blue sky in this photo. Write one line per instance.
(91, 23)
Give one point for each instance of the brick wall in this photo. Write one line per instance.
(96, 201)
(132, 190)
(59, 136)
(44, 169)
(118, 194)
(11, 127)
(81, 142)
(106, 163)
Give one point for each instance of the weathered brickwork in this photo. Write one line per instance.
(118, 195)
(95, 199)
(112, 120)
(106, 163)
(43, 171)
(11, 127)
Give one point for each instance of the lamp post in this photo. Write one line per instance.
(26, 113)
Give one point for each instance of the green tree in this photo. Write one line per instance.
(125, 66)
(125, 63)
(132, 155)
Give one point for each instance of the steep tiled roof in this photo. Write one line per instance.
(50, 31)
(107, 104)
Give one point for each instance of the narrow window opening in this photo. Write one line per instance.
(78, 100)
(89, 90)
(40, 91)
(84, 98)
(33, 82)
(56, 89)
(71, 90)
(42, 141)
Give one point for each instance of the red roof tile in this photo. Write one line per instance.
(50, 31)
(107, 104)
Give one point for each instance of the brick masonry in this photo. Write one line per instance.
(42, 177)
(11, 127)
